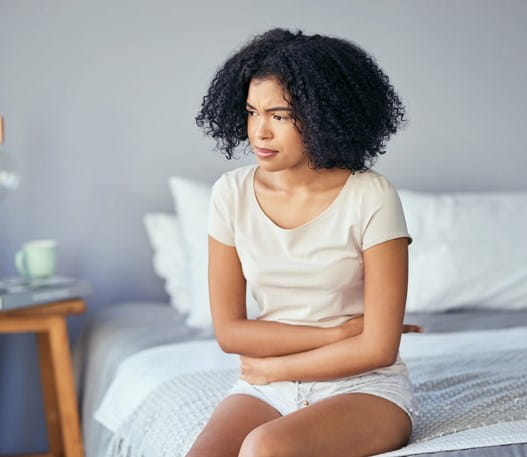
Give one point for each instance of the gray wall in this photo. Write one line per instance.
(99, 99)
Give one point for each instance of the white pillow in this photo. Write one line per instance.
(169, 259)
(191, 199)
(469, 250)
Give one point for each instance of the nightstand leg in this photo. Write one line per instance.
(64, 388)
(49, 393)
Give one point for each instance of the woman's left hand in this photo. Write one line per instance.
(256, 370)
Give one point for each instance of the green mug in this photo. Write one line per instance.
(37, 259)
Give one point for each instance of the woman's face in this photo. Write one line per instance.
(269, 126)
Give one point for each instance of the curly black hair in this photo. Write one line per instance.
(344, 102)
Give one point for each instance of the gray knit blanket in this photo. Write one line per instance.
(454, 393)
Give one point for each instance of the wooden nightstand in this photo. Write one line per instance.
(48, 321)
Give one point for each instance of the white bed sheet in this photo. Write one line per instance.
(140, 374)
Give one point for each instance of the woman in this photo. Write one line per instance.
(321, 241)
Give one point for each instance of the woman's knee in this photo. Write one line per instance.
(265, 441)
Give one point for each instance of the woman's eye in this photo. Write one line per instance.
(275, 116)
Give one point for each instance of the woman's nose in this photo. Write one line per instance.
(262, 129)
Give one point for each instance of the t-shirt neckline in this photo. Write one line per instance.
(329, 208)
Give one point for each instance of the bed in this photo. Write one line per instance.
(148, 374)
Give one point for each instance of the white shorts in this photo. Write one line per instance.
(289, 396)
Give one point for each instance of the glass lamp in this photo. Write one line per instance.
(9, 177)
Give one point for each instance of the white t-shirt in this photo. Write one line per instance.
(311, 274)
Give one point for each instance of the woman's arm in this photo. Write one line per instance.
(385, 289)
(257, 338)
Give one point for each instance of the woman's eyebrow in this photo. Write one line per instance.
(276, 108)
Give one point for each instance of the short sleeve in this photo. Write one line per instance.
(221, 214)
(382, 216)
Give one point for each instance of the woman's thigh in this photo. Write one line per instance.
(346, 425)
(229, 424)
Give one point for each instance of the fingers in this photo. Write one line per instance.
(412, 328)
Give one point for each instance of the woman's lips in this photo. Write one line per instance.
(261, 152)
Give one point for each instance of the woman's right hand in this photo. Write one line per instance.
(354, 326)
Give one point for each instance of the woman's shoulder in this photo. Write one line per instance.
(371, 179)
(240, 172)
(237, 178)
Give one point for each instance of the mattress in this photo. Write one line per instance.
(116, 333)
